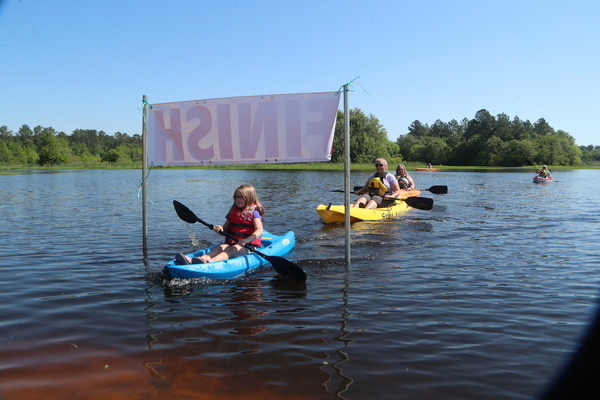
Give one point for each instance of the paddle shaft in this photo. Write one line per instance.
(421, 203)
(532, 163)
(212, 227)
(251, 248)
(438, 189)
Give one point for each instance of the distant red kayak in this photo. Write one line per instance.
(428, 169)
(541, 179)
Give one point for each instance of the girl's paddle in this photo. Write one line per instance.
(285, 268)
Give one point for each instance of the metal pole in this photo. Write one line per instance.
(144, 172)
(347, 174)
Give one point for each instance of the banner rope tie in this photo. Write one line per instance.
(140, 108)
(349, 84)
(144, 180)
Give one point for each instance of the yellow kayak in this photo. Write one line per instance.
(332, 214)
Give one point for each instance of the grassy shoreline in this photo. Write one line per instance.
(324, 166)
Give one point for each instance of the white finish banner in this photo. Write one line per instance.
(243, 130)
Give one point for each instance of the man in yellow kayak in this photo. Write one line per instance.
(380, 186)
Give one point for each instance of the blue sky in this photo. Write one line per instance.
(74, 64)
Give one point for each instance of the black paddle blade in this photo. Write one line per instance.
(421, 203)
(187, 215)
(286, 269)
(438, 189)
(184, 213)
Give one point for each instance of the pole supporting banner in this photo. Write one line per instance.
(144, 175)
(347, 175)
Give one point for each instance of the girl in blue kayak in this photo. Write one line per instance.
(243, 222)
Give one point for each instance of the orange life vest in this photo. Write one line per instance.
(241, 225)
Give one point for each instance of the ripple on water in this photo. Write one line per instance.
(481, 297)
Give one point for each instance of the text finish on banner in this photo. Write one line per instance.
(243, 130)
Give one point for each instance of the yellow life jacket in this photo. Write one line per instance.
(376, 187)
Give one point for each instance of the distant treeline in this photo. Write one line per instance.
(484, 140)
(47, 147)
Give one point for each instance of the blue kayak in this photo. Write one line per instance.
(272, 245)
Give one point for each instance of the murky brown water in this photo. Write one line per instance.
(482, 297)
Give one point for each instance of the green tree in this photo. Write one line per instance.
(25, 136)
(135, 153)
(467, 151)
(521, 129)
(118, 154)
(542, 128)
(111, 156)
(409, 147)
(558, 149)
(434, 150)
(82, 154)
(590, 154)
(86, 141)
(107, 141)
(14, 153)
(53, 150)
(418, 130)
(29, 156)
(440, 129)
(368, 138)
(517, 153)
(489, 140)
(483, 125)
(6, 134)
(504, 128)
(337, 150)
(5, 153)
(489, 153)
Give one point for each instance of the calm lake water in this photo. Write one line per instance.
(483, 297)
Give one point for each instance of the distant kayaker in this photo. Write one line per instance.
(380, 186)
(405, 181)
(544, 173)
(243, 222)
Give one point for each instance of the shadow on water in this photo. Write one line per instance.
(246, 329)
(344, 381)
(242, 297)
